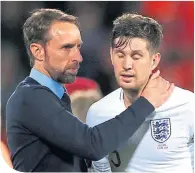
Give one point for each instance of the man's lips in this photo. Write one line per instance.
(74, 70)
(127, 75)
(75, 67)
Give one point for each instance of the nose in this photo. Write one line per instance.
(77, 55)
(127, 63)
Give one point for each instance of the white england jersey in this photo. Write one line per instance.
(163, 144)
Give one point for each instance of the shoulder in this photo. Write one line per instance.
(108, 100)
(103, 109)
(179, 98)
(182, 96)
(30, 99)
(28, 91)
(183, 92)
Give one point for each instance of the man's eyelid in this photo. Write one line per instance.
(66, 46)
(139, 53)
(119, 52)
(136, 56)
(79, 45)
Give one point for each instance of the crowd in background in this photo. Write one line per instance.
(177, 50)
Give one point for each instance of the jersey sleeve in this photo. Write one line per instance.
(102, 165)
(191, 128)
(191, 118)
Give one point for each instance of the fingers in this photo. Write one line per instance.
(171, 88)
(167, 84)
(155, 75)
(164, 83)
(168, 92)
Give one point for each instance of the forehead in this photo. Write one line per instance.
(64, 31)
(133, 44)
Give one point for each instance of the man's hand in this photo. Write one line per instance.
(157, 90)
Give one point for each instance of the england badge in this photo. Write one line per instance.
(161, 129)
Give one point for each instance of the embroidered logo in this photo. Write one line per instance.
(161, 129)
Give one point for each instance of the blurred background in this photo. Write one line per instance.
(177, 18)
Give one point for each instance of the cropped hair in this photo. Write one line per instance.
(36, 27)
(130, 26)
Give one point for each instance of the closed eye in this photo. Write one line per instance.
(136, 56)
(120, 55)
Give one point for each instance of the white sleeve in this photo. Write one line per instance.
(91, 118)
(191, 128)
(102, 165)
(191, 119)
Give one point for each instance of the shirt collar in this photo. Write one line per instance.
(44, 80)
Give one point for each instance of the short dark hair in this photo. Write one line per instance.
(130, 26)
(36, 27)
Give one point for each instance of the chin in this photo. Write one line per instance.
(128, 86)
(67, 79)
(70, 80)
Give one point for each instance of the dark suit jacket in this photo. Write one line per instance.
(43, 134)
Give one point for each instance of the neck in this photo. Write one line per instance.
(130, 96)
(42, 70)
(45, 72)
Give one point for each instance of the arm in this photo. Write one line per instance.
(49, 120)
(42, 113)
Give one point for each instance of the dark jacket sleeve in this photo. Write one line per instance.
(44, 116)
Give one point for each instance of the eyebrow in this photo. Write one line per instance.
(137, 52)
(71, 44)
(133, 51)
(119, 50)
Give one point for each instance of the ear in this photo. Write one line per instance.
(155, 61)
(37, 51)
(111, 55)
